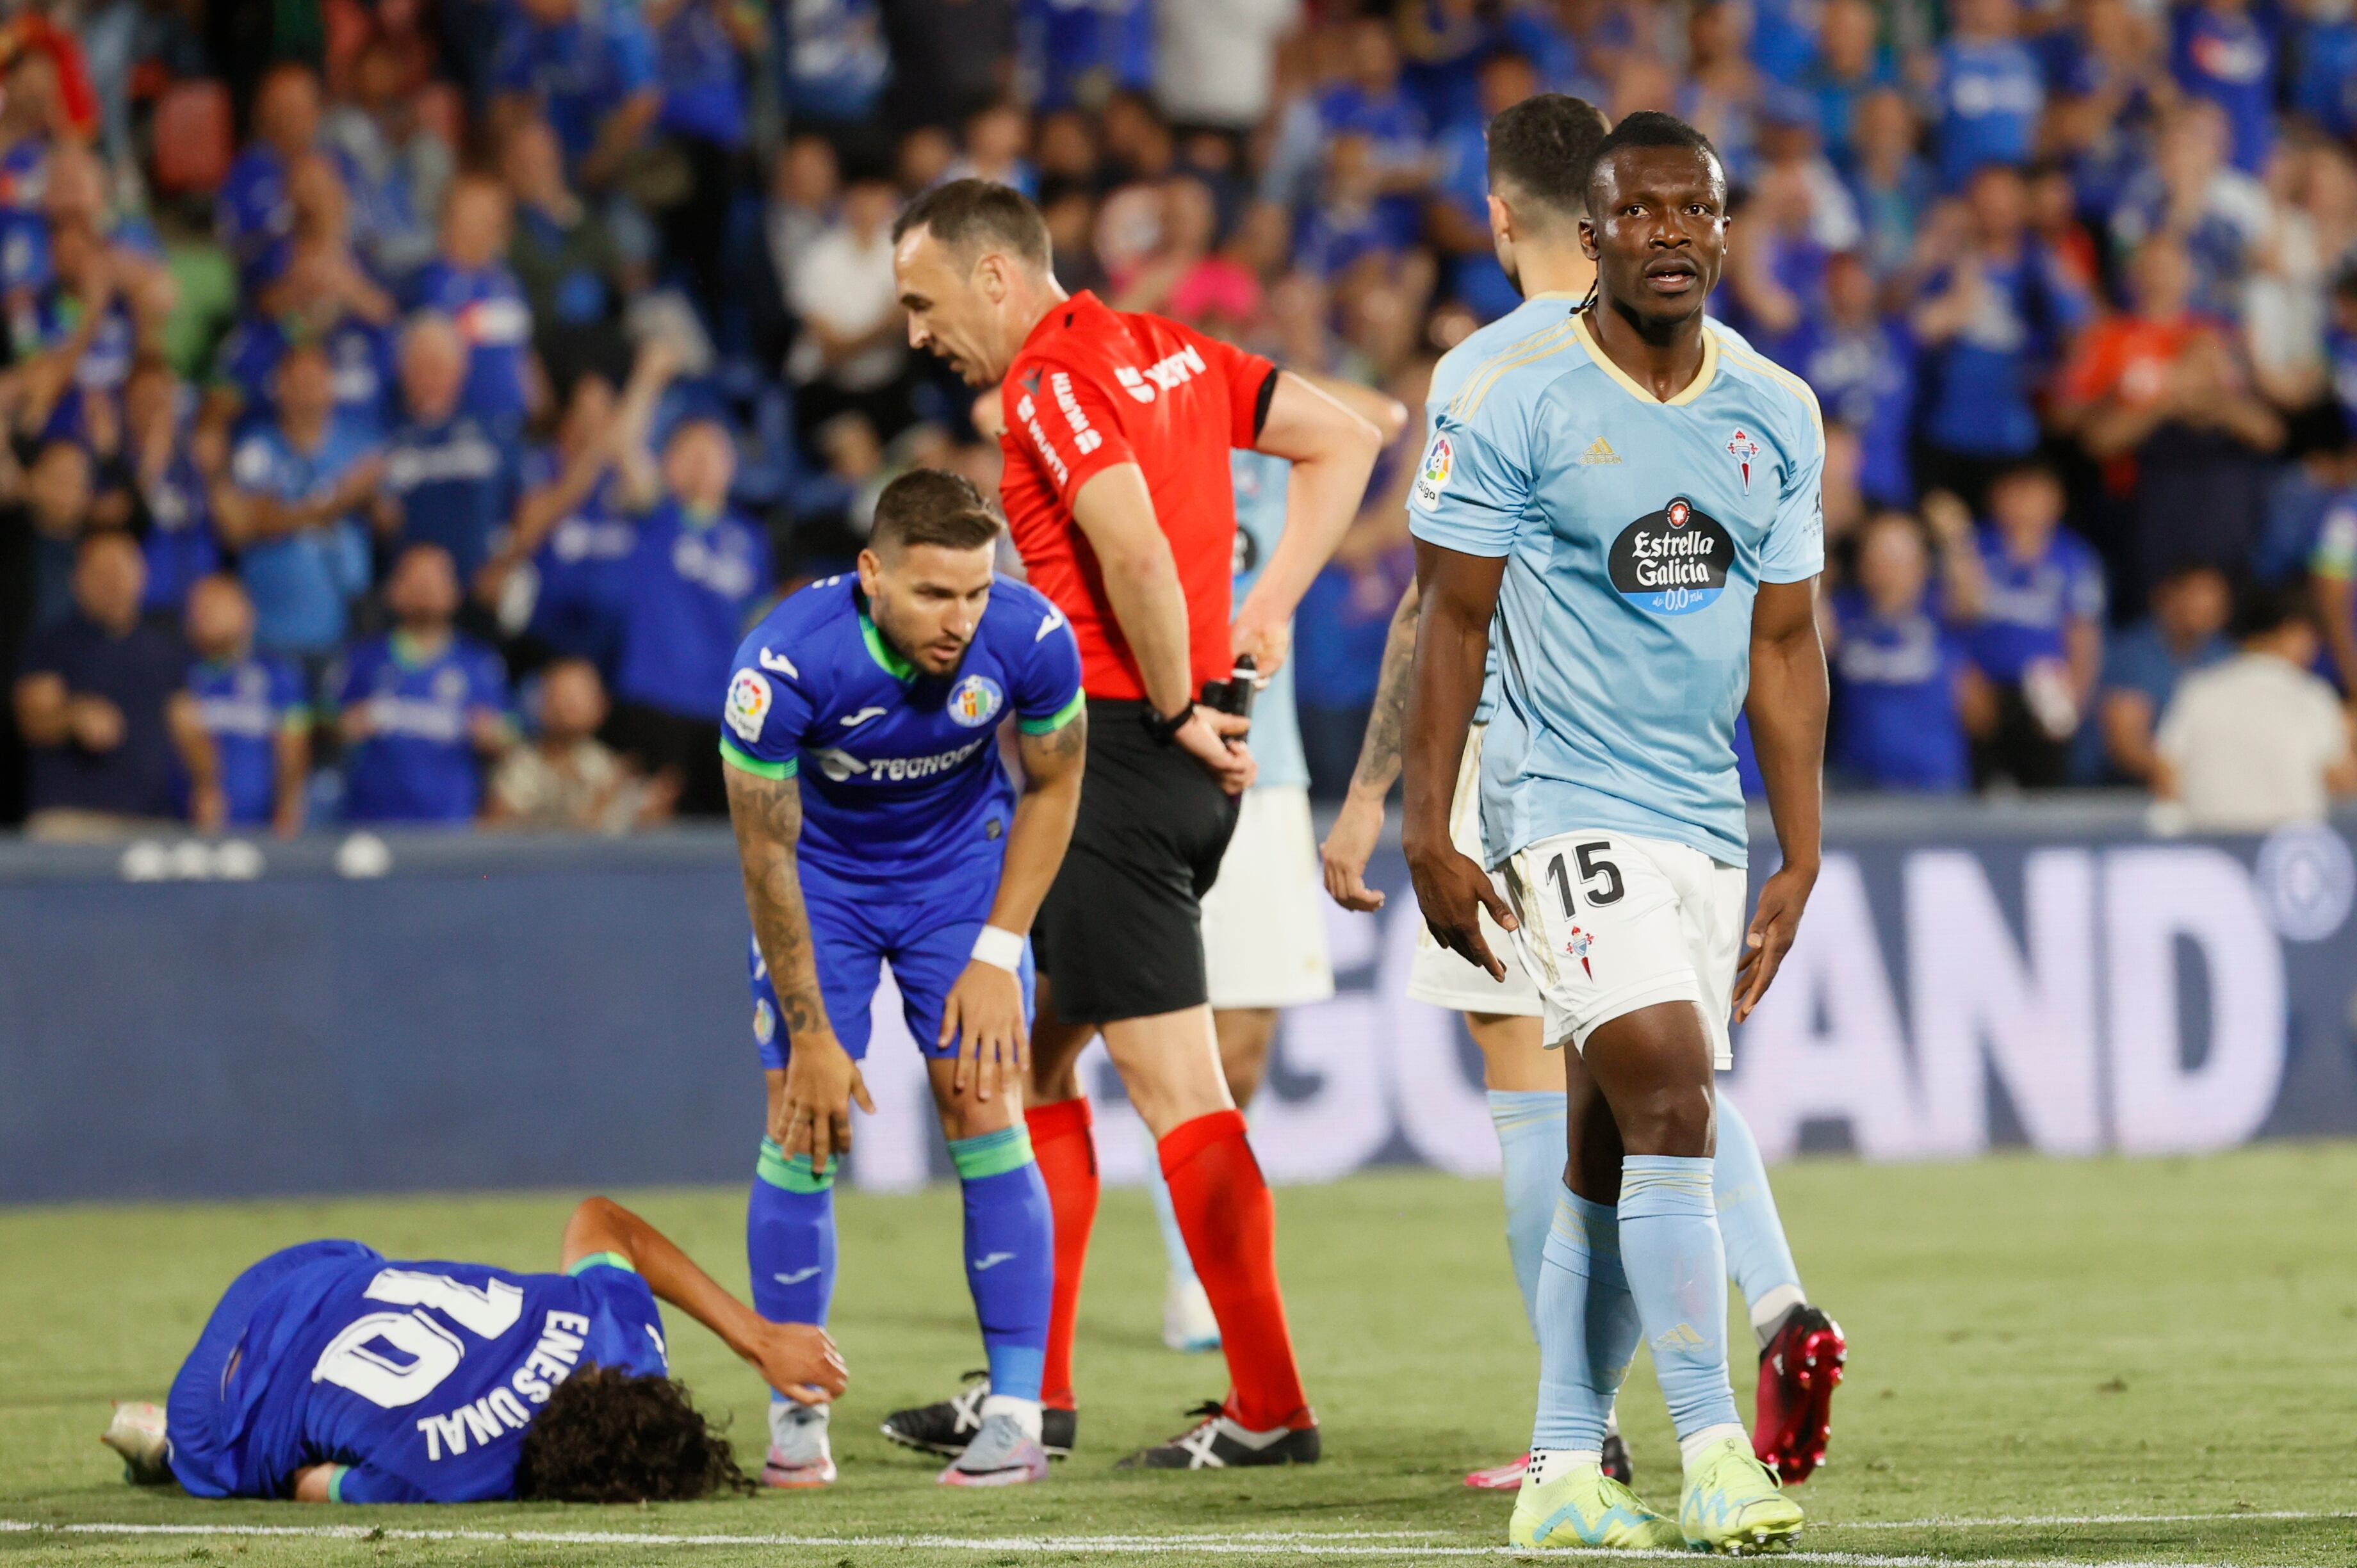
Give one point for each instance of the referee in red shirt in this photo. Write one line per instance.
(1118, 428)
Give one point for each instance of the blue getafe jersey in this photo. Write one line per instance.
(1897, 726)
(418, 763)
(900, 779)
(244, 703)
(1636, 533)
(456, 485)
(420, 1377)
(1260, 482)
(489, 307)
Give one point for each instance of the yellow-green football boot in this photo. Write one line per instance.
(1588, 1507)
(1733, 1504)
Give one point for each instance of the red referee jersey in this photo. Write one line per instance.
(1093, 387)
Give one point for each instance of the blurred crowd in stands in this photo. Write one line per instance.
(408, 402)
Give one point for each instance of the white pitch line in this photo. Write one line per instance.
(1306, 1544)
(2014, 1521)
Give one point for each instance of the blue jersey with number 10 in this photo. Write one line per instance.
(1636, 532)
(900, 779)
(416, 1380)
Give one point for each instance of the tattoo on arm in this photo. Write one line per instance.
(1060, 745)
(1379, 755)
(768, 816)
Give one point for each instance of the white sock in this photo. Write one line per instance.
(1709, 1437)
(1554, 1464)
(1025, 1412)
(786, 1416)
(1770, 1308)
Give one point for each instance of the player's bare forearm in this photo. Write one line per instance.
(1042, 829)
(1333, 450)
(806, 1365)
(768, 816)
(1787, 706)
(1458, 596)
(1378, 753)
(1115, 511)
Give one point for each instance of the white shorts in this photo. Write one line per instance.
(1439, 976)
(1611, 922)
(1264, 918)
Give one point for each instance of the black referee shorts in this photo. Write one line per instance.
(1122, 929)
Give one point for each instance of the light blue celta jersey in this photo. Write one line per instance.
(1636, 533)
(1260, 482)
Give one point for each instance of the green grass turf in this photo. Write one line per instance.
(2028, 1338)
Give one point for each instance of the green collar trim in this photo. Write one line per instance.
(600, 1261)
(881, 651)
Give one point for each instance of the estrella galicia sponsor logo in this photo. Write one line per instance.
(1672, 562)
(975, 701)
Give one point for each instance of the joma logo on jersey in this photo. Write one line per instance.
(1171, 370)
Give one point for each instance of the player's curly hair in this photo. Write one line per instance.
(610, 1436)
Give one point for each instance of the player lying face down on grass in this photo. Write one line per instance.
(877, 823)
(330, 1373)
(1632, 496)
(1120, 428)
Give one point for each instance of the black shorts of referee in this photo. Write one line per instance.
(1121, 933)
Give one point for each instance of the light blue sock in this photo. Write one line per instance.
(1677, 1272)
(1757, 1255)
(790, 1238)
(1010, 1255)
(1586, 1324)
(1174, 1245)
(1529, 1123)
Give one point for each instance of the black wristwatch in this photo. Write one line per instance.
(1163, 728)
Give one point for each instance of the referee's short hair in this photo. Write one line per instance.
(933, 506)
(1647, 128)
(1540, 149)
(973, 215)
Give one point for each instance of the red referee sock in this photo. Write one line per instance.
(1229, 1219)
(1067, 1151)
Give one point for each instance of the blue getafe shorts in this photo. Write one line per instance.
(927, 938)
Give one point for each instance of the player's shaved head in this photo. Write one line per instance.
(973, 216)
(1539, 152)
(971, 261)
(929, 566)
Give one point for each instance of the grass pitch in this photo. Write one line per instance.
(2107, 1361)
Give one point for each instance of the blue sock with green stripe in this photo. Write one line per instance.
(789, 1237)
(1010, 1255)
(1531, 1146)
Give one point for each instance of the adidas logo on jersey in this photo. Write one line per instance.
(1599, 451)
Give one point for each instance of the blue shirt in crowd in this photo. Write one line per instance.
(360, 358)
(698, 62)
(2027, 605)
(1865, 378)
(1102, 44)
(301, 583)
(691, 584)
(583, 567)
(1989, 98)
(418, 763)
(834, 63)
(181, 544)
(1979, 383)
(1896, 725)
(245, 705)
(487, 306)
(456, 485)
(2140, 659)
(2324, 79)
(581, 69)
(2230, 59)
(1476, 279)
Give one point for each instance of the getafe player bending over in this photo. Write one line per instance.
(329, 1374)
(877, 822)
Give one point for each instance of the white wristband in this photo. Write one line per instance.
(1000, 948)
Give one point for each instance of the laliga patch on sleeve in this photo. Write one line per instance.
(749, 704)
(1432, 475)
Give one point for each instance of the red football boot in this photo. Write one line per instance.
(1798, 1373)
